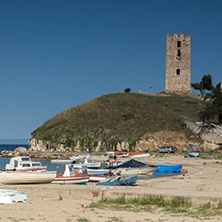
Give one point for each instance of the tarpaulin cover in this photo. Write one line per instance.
(168, 169)
(133, 163)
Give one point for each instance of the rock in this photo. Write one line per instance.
(20, 149)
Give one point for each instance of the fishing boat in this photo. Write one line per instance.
(29, 177)
(12, 196)
(119, 180)
(24, 164)
(71, 175)
(95, 175)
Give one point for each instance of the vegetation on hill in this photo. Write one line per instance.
(119, 117)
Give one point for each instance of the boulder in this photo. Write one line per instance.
(20, 149)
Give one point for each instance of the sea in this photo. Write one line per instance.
(10, 147)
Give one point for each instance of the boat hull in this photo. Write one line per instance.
(71, 179)
(119, 181)
(17, 177)
(138, 170)
(193, 153)
(97, 178)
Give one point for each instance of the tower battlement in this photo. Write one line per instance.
(178, 63)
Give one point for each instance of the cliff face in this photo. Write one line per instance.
(210, 134)
(148, 142)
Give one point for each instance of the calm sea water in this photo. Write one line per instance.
(12, 147)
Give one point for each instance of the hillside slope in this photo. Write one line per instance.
(119, 117)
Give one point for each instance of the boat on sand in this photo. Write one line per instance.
(135, 167)
(12, 196)
(119, 180)
(19, 177)
(71, 176)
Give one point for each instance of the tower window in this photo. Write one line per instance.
(178, 43)
(178, 53)
(178, 72)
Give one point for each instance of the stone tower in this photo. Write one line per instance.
(178, 63)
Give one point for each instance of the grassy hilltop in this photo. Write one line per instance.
(119, 117)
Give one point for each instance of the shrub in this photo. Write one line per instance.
(127, 90)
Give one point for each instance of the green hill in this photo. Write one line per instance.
(119, 117)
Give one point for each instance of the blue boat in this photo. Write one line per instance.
(119, 180)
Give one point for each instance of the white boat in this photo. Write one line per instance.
(140, 155)
(98, 171)
(193, 153)
(71, 176)
(19, 177)
(24, 163)
(97, 178)
(59, 161)
(138, 170)
(78, 164)
(89, 163)
(12, 196)
(73, 158)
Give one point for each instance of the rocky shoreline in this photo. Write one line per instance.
(21, 151)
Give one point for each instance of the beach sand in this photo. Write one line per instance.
(200, 181)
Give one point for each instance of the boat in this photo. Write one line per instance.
(74, 160)
(191, 153)
(12, 196)
(138, 170)
(29, 177)
(119, 180)
(138, 154)
(97, 177)
(71, 175)
(135, 167)
(89, 163)
(98, 171)
(60, 161)
(24, 163)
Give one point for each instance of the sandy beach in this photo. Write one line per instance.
(200, 181)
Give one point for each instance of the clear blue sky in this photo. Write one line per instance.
(56, 54)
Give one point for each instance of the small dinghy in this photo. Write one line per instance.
(191, 153)
(119, 180)
(12, 196)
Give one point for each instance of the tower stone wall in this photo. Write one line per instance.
(178, 63)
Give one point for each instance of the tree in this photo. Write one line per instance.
(214, 109)
(127, 90)
(203, 85)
